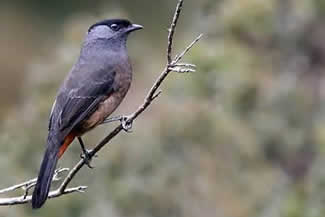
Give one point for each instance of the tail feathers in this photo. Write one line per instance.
(45, 176)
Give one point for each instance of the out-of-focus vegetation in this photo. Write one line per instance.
(243, 136)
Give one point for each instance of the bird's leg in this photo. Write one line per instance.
(109, 120)
(182, 67)
(126, 124)
(85, 153)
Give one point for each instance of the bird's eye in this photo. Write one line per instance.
(114, 27)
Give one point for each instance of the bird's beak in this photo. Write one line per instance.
(134, 27)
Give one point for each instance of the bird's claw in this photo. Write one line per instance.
(87, 158)
(182, 67)
(126, 123)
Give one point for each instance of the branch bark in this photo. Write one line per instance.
(171, 65)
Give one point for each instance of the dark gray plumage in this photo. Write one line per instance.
(93, 89)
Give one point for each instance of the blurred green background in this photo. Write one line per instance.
(243, 136)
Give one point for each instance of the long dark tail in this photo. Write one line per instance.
(45, 175)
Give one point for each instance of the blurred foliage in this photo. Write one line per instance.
(243, 136)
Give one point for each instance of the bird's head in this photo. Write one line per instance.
(112, 29)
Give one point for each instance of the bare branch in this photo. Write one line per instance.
(28, 183)
(52, 194)
(180, 56)
(26, 186)
(181, 69)
(18, 186)
(172, 65)
(172, 31)
(156, 95)
(185, 65)
(71, 174)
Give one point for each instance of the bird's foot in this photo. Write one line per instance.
(87, 158)
(125, 121)
(182, 67)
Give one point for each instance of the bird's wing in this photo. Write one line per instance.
(75, 104)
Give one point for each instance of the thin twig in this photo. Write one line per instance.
(18, 186)
(180, 56)
(52, 194)
(32, 181)
(156, 95)
(172, 31)
(151, 95)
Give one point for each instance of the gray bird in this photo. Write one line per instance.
(93, 89)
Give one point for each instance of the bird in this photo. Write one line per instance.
(92, 90)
